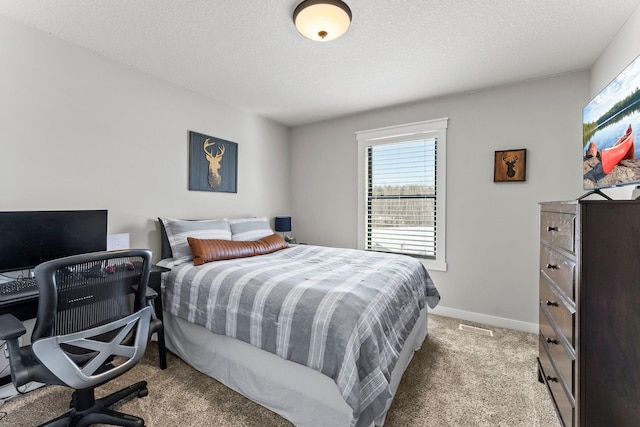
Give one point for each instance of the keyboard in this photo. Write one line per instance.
(18, 289)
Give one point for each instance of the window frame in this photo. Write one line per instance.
(404, 133)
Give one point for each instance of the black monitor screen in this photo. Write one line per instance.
(29, 238)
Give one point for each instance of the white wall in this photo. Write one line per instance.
(492, 228)
(79, 131)
(623, 49)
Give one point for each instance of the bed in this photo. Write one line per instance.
(318, 335)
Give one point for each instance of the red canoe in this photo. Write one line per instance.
(622, 149)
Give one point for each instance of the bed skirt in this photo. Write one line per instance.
(303, 396)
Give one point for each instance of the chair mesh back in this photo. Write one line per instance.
(93, 321)
(95, 293)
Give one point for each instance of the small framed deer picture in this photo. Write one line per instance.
(213, 164)
(510, 165)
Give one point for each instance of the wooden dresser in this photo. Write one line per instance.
(589, 354)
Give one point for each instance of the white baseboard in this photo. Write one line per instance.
(486, 319)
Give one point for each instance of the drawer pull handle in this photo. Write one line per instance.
(552, 341)
(551, 228)
(552, 266)
(550, 378)
(552, 303)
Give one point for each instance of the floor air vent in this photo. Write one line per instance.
(480, 331)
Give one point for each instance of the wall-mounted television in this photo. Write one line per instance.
(610, 124)
(28, 238)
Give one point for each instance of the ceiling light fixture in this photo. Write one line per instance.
(322, 20)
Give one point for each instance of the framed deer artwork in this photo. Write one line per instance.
(510, 165)
(213, 164)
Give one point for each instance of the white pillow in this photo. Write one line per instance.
(246, 229)
(178, 230)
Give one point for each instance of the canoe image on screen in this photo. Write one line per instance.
(609, 124)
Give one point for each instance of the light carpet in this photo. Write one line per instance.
(458, 378)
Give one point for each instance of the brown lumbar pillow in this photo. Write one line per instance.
(207, 250)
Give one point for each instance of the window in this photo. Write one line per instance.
(401, 190)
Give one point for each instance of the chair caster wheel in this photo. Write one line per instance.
(142, 393)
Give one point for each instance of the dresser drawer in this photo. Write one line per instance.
(557, 311)
(558, 229)
(564, 361)
(563, 402)
(560, 269)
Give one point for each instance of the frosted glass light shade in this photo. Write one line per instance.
(322, 20)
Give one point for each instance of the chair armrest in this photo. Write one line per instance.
(10, 330)
(10, 327)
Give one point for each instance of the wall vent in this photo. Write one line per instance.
(477, 330)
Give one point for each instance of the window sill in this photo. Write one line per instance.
(434, 265)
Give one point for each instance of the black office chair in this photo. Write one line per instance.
(93, 325)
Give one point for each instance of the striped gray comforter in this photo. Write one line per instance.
(343, 312)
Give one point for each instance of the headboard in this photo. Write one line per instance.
(165, 247)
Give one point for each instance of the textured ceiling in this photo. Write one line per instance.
(247, 53)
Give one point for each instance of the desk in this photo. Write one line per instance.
(28, 309)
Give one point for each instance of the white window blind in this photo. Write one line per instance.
(401, 198)
(402, 190)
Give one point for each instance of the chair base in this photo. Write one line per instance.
(86, 410)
